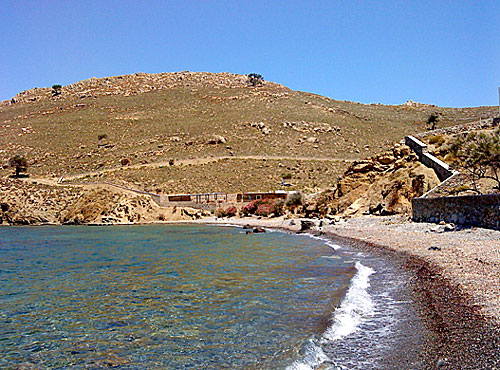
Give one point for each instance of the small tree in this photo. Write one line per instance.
(432, 121)
(19, 163)
(294, 200)
(479, 156)
(255, 79)
(56, 90)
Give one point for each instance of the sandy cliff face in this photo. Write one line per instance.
(23, 203)
(383, 184)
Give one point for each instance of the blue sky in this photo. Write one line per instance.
(437, 52)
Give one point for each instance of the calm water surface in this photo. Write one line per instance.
(163, 297)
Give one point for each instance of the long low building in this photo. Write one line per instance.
(222, 197)
(248, 197)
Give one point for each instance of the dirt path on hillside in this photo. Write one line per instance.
(180, 162)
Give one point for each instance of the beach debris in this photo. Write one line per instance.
(434, 248)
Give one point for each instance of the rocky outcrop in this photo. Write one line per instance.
(383, 185)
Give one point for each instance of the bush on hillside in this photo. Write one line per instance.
(294, 200)
(437, 140)
(19, 163)
(255, 79)
(432, 121)
(56, 90)
(228, 212)
(264, 207)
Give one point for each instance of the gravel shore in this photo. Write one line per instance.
(457, 279)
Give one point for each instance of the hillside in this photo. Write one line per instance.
(217, 128)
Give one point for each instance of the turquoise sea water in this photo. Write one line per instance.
(167, 297)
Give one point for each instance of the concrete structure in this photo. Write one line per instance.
(248, 197)
(443, 171)
(473, 210)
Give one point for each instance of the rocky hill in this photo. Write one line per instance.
(199, 132)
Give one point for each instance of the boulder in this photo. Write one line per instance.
(216, 139)
(305, 225)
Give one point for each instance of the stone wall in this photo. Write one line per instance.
(473, 210)
(443, 171)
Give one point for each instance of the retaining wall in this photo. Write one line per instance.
(443, 171)
(473, 210)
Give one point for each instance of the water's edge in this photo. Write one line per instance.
(430, 291)
(369, 329)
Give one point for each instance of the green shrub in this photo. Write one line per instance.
(432, 121)
(56, 90)
(228, 212)
(19, 163)
(459, 189)
(255, 79)
(294, 199)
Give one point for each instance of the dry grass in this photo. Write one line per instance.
(60, 136)
(228, 175)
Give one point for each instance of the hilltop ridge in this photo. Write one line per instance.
(138, 83)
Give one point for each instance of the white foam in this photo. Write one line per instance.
(356, 307)
(327, 241)
(313, 357)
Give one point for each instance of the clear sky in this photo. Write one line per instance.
(382, 51)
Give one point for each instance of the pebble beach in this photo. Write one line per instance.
(456, 273)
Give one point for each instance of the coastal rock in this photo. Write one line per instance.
(381, 185)
(306, 225)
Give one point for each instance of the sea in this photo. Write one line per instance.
(200, 297)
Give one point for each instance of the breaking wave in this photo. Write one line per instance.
(355, 308)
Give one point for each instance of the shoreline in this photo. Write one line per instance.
(456, 284)
(466, 328)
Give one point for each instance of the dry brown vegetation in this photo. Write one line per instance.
(227, 175)
(189, 132)
(151, 118)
